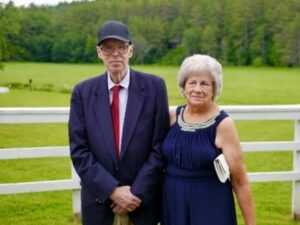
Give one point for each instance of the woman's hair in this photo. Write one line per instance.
(201, 63)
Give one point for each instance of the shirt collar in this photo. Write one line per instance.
(124, 82)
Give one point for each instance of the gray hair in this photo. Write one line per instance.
(201, 63)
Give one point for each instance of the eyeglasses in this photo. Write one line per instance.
(109, 49)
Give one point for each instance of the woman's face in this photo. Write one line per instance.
(198, 89)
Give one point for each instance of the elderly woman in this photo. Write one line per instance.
(200, 131)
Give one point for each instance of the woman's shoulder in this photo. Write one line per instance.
(220, 116)
(226, 124)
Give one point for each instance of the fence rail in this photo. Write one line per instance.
(60, 115)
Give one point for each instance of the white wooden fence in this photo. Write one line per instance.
(60, 115)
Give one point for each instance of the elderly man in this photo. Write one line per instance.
(117, 123)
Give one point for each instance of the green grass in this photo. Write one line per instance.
(33, 135)
(243, 85)
(47, 208)
(25, 98)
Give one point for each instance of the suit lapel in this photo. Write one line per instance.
(103, 115)
(133, 109)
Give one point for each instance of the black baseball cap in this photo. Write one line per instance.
(115, 30)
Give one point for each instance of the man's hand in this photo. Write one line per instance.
(124, 200)
(118, 209)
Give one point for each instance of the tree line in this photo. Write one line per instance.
(236, 32)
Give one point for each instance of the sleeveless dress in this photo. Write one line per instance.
(192, 192)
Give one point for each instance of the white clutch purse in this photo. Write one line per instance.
(222, 168)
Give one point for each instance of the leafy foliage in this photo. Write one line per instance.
(164, 31)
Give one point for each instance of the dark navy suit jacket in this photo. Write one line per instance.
(93, 149)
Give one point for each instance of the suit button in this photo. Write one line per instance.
(116, 168)
(98, 201)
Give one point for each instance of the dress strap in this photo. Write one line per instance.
(178, 110)
(222, 115)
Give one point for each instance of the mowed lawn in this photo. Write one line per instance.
(242, 86)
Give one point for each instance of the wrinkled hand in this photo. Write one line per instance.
(123, 200)
(118, 209)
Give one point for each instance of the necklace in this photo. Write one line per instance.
(192, 127)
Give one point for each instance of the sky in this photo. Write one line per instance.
(36, 2)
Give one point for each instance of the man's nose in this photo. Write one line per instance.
(115, 51)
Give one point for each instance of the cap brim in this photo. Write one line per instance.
(114, 37)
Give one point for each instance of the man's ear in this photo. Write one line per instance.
(99, 52)
(130, 51)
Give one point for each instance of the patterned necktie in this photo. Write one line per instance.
(116, 117)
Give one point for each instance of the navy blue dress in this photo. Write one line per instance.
(192, 193)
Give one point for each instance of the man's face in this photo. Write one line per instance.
(115, 55)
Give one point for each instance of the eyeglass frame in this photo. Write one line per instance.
(113, 49)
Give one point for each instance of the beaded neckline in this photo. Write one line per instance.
(192, 127)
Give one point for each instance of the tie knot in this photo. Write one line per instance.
(116, 89)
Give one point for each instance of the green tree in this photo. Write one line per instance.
(239, 32)
(9, 32)
(191, 39)
(37, 36)
(148, 38)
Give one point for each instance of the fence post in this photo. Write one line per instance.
(76, 198)
(296, 184)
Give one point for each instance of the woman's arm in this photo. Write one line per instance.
(172, 114)
(227, 139)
